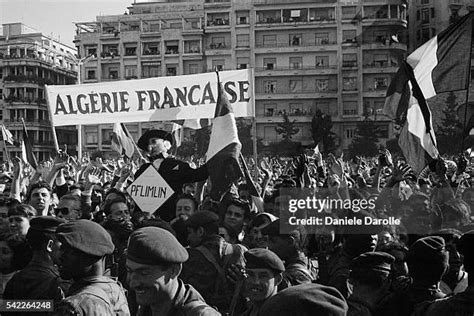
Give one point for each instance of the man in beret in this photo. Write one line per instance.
(460, 303)
(306, 300)
(40, 278)
(210, 256)
(369, 277)
(84, 246)
(154, 262)
(290, 249)
(427, 262)
(263, 274)
(176, 173)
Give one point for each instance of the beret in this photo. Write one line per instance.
(427, 248)
(86, 236)
(155, 246)
(373, 262)
(202, 218)
(143, 141)
(466, 243)
(45, 224)
(306, 299)
(260, 258)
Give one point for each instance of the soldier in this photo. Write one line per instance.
(369, 277)
(263, 274)
(84, 246)
(306, 300)
(427, 262)
(210, 256)
(40, 278)
(289, 247)
(154, 262)
(176, 173)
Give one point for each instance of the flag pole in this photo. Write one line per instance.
(7, 155)
(466, 102)
(254, 143)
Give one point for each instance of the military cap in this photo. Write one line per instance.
(426, 249)
(45, 224)
(202, 218)
(155, 246)
(260, 258)
(86, 236)
(272, 229)
(306, 299)
(373, 262)
(466, 243)
(143, 141)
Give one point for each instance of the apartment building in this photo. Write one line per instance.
(29, 60)
(335, 56)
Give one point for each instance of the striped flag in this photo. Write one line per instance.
(222, 155)
(440, 65)
(27, 148)
(122, 142)
(7, 135)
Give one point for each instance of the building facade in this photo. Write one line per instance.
(30, 60)
(307, 55)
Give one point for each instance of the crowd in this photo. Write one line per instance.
(70, 233)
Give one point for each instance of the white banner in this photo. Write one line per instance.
(152, 99)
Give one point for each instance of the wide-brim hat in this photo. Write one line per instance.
(154, 133)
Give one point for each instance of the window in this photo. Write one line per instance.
(296, 62)
(193, 68)
(172, 47)
(269, 63)
(296, 85)
(269, 40)
(269, 86)
(270, 109)
(171, 70)
(242, 62)
(151, 48)
(130, 51)
(349, 83)
(425, 16)
(217, 42)
(381, 37)
(323, 107)
(107, 136)
(432, 10)
(109, 50)
(322, 85)
(243, 20)
(349, 107)
(322, 38)
(91, 138)
(296, 109)
(113, 73)
(322, 61)
(380, 83)
(90, 74)
(425, 34)
(242, 40)
(348, 13)
(92, 51)
(131, 72)
(296, 39)
(381, 60)
(349, 36)
(349, 133)
(218, 64)
(151, 70)
(349, 60)
(192, 47)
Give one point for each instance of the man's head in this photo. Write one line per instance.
(117, 209)
(69, 207)
(41, 236)
(428, 259)
(154, 259)
(263, 268)
(201, 225)
(83, 246)
(236, 213)
(186, 205)
(285, 246)
(155, 142)
(371, 271)
(19, 217)
(39, 196)
(189, 188)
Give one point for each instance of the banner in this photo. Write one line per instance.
(152, 99)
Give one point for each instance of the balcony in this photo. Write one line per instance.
(28, 79)
(288, 70)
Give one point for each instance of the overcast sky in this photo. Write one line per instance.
(57, 17)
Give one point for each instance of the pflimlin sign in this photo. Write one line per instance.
(150, 190)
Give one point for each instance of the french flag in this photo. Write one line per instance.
(439, 65)
(222, 155)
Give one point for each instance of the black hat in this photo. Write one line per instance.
(86, 236)
(260, 258)
(306, 299)
(427, 249)
(202, 218)
(154, 133)
(465, 245)
(45, 224)
(155, 246)
(373, 262)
